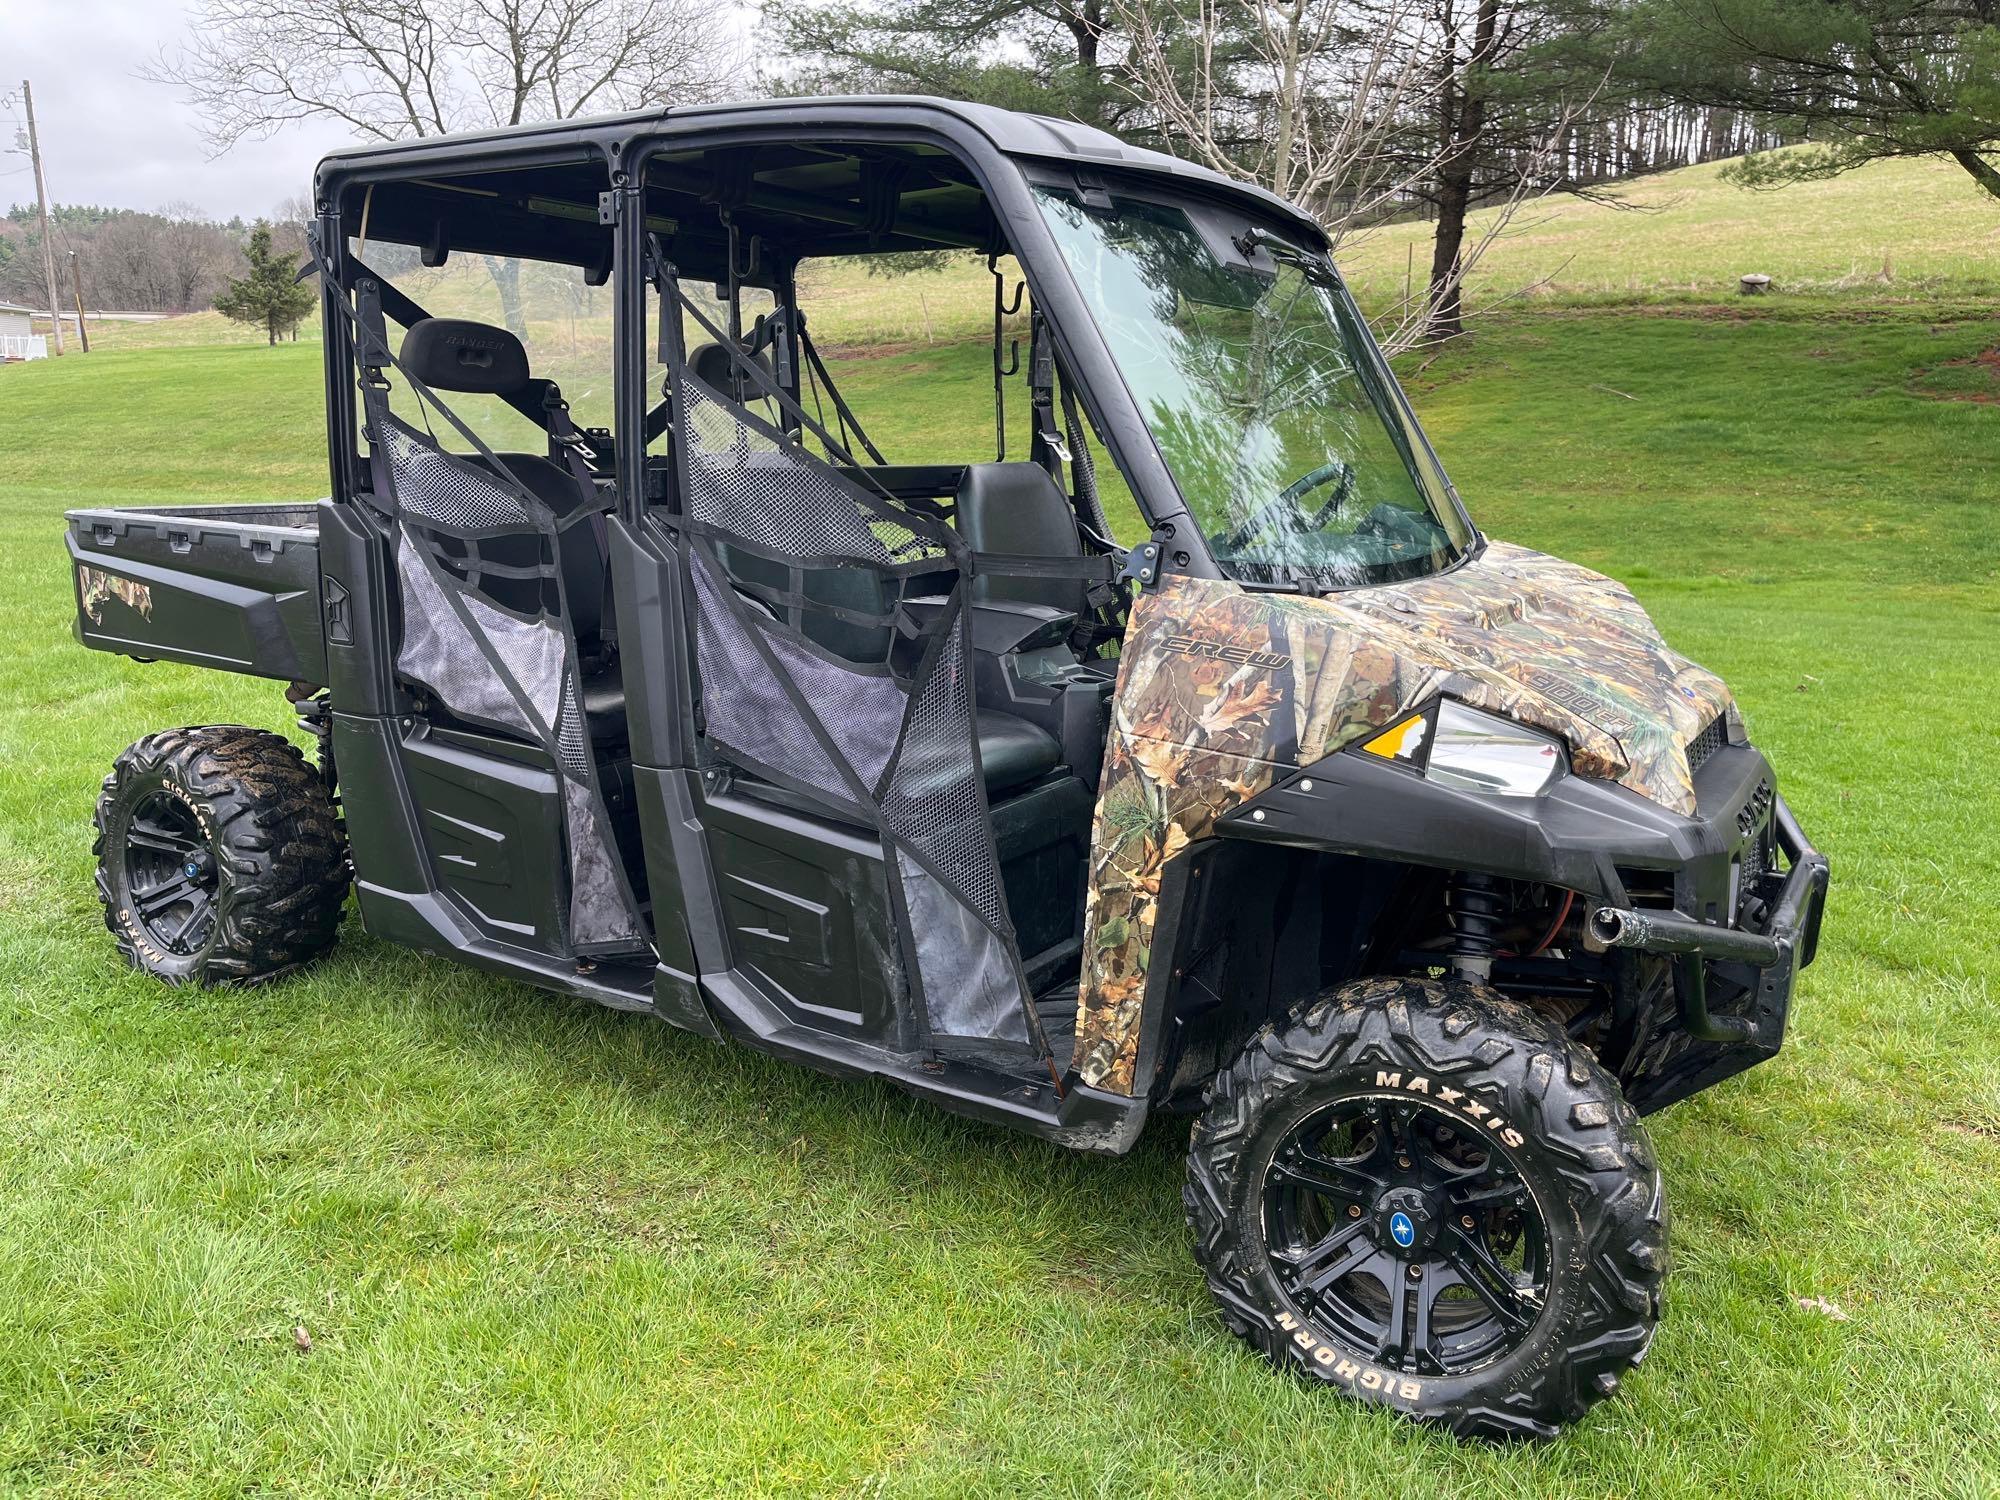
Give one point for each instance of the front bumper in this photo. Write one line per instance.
(1704, 893)
(1786, 943)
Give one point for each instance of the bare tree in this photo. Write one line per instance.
(1294, 94)
(174, 260)
(390, 69)
(397, 68)
(289, 221)
(194, 253)
(1355, 109)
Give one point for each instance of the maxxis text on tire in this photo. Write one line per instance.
(220, 857)
(1503, 1109)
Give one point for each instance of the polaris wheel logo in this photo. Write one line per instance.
(1188, 645)
(1401, 1230)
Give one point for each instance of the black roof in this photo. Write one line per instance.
(1031, 137)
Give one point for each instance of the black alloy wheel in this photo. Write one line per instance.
(1406, 1236)
(1423, 1194)
(220, 858)
(170, 873)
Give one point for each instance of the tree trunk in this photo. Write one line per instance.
(1462, 119)
(1981, 170)
(1085, 23)
(506, 273)
(1447, 299)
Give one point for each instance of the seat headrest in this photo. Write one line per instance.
(711, 364)
(454, 354)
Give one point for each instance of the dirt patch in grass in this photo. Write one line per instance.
(1974, 378)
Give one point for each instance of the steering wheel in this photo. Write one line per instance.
(1338, 473)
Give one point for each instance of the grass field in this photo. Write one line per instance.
(540, 1248)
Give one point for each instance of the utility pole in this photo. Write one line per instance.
(76, 285)
(42, 206)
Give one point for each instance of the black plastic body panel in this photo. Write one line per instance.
(674, 858)
(235, 587)
(493, 829)
(646, 593)
(1042, 838)
(355, 569)
(402, 903)
(806, 911)
(1576, 835)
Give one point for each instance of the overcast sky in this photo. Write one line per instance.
(110, 137)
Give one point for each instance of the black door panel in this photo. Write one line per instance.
(805, 906)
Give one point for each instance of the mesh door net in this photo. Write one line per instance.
(798, 574)
(490, 638)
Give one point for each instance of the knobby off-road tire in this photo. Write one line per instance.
(220, 859)
(1512, 1140)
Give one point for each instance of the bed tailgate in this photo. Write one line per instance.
(228, 586)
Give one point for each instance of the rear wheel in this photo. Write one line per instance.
(1424, 1194)
(219, 856)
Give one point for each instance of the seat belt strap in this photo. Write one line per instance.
(566, 444)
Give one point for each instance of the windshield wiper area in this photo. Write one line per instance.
(1307, 586)
(1316, 267)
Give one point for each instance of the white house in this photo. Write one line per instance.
(18, 339)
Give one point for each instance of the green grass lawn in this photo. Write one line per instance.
(542, 1248)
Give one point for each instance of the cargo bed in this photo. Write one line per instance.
(229, 586)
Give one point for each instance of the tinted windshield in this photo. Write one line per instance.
(1291, 449)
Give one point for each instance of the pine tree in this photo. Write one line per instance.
(270, 294)
(1861, 80)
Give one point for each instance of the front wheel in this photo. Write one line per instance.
(1425, 1195)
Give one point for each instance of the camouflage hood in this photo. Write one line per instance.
(1560, 647)
(1220, 690)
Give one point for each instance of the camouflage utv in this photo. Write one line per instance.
(1412, 863)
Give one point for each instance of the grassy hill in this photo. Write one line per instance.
(1895, 228)
(542, 1248)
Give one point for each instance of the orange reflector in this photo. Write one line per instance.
(1401, 741)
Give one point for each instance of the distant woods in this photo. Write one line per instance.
(1363, 111)
(176, 259)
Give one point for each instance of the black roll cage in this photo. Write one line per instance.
(1001, 152)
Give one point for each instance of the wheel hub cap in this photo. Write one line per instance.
(1405, 1219)
(170, 873)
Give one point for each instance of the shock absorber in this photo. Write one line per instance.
(316, 717)
(1474, 906)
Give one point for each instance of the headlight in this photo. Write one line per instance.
(1462, 747)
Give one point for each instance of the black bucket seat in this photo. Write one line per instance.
(1017, 508)
(454, 354)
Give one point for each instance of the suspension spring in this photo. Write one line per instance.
(1474, 906)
